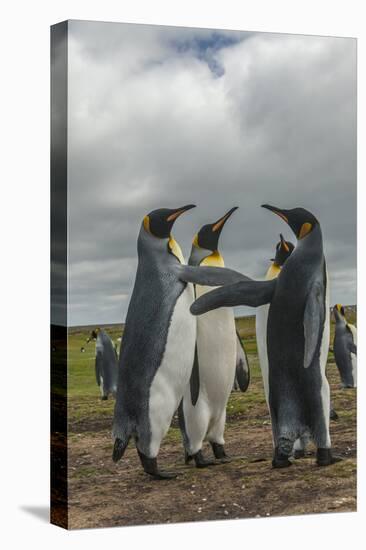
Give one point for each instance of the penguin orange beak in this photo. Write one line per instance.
(179, 211)
(217, 226)
(278, 211)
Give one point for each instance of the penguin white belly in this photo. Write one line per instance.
(216, 348)
(324, 348)
(261, 321)
(354, 369)
(173, 374)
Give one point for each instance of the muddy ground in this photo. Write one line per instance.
(104, 494)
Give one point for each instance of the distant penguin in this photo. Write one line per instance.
(297, 338)
(242, 372)
(345, 348)
(106, 372)
(283, 251)
(202, 413)
(158, 342)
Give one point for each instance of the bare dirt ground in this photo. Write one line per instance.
(104, 494)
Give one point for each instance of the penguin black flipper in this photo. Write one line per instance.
(314, 318)
(209, 276)
(98, 366)
(194, 381)
(242, 372)
(350, 343)
(244, 293)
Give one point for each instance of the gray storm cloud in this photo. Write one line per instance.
(163, 116)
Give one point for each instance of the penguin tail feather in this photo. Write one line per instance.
(119, 448)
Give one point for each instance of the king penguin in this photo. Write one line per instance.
(345, 348)
(297, 338)
(283, 251)
(202, 412)
(158, 342)
(105, 363)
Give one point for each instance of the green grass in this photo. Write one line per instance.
(84, 395)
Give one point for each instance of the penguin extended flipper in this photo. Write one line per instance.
(242, 372)
(209, 276)
(314, 317)
(194, 381)
(244, 293)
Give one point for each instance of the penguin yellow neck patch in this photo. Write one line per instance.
(146, 224)
(305, 229)
(273, 271)
(195, 242)
(175, 249)
(214, 260)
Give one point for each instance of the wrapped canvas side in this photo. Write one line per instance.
(59, 492)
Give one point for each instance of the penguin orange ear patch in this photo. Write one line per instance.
(146, 223)
(305, 229)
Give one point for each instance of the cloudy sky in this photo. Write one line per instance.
(165, 116)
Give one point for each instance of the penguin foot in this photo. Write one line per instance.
(333, 415)
(280, 460)
(219, 452)
(187, 457)
(150, 466)
(324, 457)
(201, 461)
(299, 453)
(104, 397)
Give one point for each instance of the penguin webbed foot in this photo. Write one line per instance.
(325, 457)
(220, 453)
(150, 466)
(201, 461)
(187, 457)
(299, 453)
(333, 415)
(280, 460)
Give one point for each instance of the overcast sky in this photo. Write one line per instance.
(166, 116)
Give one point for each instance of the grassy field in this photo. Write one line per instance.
(102, 493)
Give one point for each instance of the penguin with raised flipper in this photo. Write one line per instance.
(106, 372)
(158, 342)
(297, 338)
(345, 348)
(202, 412)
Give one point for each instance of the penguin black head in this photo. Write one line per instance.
(301, 221)
(159, 222)
(208, 236)
(283, 251)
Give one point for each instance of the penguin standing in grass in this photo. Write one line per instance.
(345, 348)
(297, 338)
(202, 412)
(158, 341)
(105, 363)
